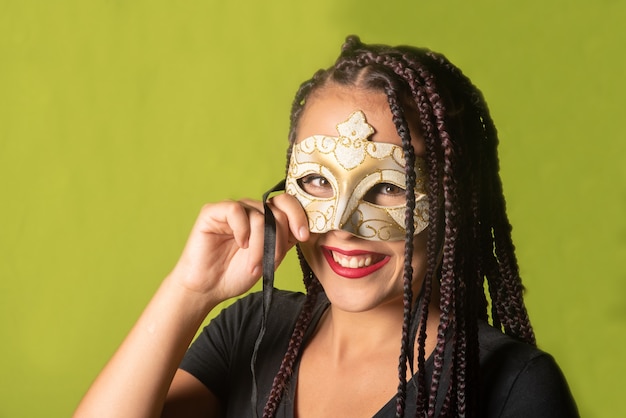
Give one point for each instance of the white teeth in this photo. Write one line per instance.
(352, 262)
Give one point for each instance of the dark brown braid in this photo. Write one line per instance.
(409, 155)
(469, 235)
(285, 371)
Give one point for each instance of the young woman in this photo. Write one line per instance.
(394, 202)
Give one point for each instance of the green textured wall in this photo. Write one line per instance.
(119, 119)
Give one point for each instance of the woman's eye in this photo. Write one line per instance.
(386, 194)
(391, 189)
(316, 185)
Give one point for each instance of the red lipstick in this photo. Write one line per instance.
(353, 273)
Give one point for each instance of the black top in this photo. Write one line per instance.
(517, 380)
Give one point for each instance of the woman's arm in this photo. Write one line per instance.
(222, 259)
(136, 380)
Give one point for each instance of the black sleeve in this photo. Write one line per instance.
(223, 344)
(220, 356)
(540, 390)
(518, 380)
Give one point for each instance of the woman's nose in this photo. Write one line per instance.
(341, 234)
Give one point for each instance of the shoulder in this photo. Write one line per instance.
(220, 355)
(519, 380)
(245, 314)
(281, 299)
(283, 302)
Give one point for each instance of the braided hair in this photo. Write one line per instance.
(469, 246)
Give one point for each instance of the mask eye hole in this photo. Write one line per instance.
(386, 194)
(316, 185)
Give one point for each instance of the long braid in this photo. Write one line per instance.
(433, 252)
(518, 324)
(426, 91)
(285, 371)
(491, 264)
(443, 176)
(410, 175)
(448, 269)
(471, 300)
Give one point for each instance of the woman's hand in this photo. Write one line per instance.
(222, 259)
(224, 253)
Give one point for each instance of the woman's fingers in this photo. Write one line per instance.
(298, 223)
(232, 218)
(244, 220)
(291, 222)
(255, 241)
(227, 244)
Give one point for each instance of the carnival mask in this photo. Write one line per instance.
(353, 165)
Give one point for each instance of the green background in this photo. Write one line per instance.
(119, 119)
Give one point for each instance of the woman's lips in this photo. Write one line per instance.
(353, 264)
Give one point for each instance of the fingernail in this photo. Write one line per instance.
(302, 233)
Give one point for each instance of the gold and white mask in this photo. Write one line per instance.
(353, 165)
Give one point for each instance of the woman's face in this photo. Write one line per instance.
(358, 274)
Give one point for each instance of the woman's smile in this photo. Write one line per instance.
(353, 264)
